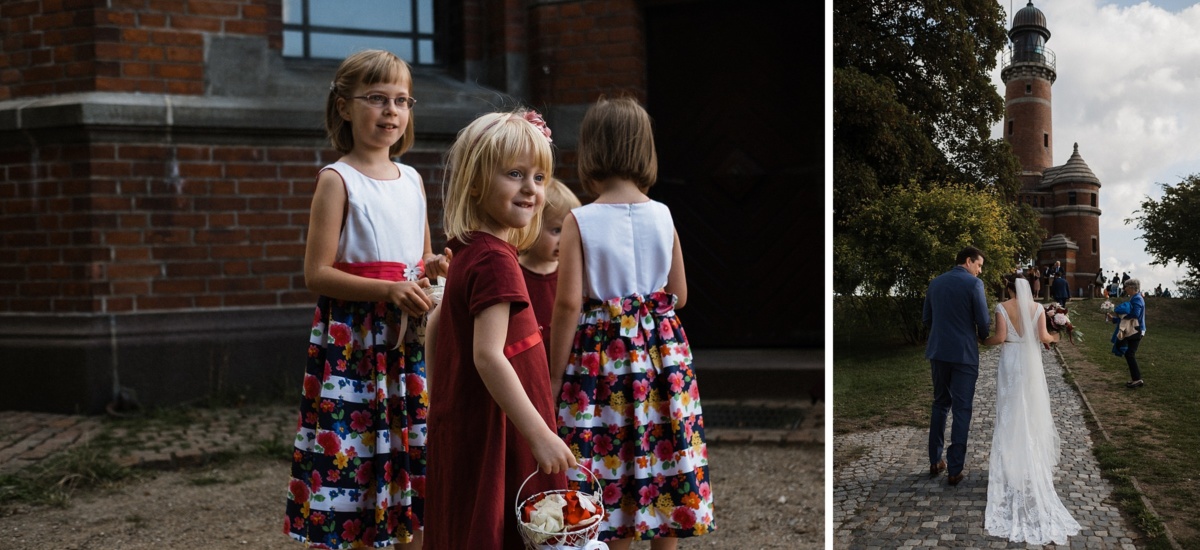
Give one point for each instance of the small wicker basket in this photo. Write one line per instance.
(584, 538)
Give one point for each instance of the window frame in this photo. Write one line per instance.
(438, 36)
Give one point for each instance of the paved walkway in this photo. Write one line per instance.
(175, 438)
(886, 499)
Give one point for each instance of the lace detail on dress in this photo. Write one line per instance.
(1022, 504)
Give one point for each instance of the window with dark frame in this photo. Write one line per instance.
(1010, 126)
(331, 29)
(1093, 199)
(1071, 198)
(1045, 140)
(1095, 246)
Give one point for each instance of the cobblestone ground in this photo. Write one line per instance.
(886, 499)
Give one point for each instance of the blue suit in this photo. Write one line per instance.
(956, 313)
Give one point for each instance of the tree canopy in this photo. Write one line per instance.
(913, 106)
(895, 245)
(1170, 226)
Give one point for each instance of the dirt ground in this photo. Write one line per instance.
(766, 497)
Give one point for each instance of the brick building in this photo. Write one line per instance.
(157, 159)
(1066, 197)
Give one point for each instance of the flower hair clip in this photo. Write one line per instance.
(538, 122)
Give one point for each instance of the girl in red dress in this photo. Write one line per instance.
(539, 263)
(491, 418)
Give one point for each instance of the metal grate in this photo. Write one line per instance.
(723, 415)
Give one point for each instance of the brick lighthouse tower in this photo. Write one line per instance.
(1065, 197)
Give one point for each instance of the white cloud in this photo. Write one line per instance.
(1128, 92)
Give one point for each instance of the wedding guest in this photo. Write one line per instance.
(1035, 280)
(491, 416)
(1134, 309)
(539, 263)
(1060, 290)
(346, 438)
(630, 402)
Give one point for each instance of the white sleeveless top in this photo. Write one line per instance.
(385, 219)
(626, 248)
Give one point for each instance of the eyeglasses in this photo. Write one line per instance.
(379, 100)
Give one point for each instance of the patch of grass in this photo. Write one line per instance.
(1154, 430)
(54, 480)
(275, 448)
(880, 385)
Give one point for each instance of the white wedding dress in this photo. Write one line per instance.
(1022, 505)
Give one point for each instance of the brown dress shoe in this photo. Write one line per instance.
(956, 478)
(935, 469)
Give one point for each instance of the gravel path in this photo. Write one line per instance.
(766, 497)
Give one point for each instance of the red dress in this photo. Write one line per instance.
(542, 288)
(476, 457)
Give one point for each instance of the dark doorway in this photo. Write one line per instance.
(736, 90)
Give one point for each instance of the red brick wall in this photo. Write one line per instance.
(590, 48)
(1029, 116)
(152, 46)
(109, 228)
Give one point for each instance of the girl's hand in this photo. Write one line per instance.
(438, 265)
(410, 297)
(552, 454)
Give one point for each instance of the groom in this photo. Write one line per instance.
(956, 314)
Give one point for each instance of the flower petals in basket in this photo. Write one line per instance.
(551, 514)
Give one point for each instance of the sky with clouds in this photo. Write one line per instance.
(1128, 92)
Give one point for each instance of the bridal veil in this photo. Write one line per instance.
(1022, 504)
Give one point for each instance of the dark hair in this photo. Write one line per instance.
(1010, 283)
(969, 252)
(616, 140)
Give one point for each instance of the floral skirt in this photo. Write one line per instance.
(358, 467)
(630, 411)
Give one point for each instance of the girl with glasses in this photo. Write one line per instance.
(359, 461)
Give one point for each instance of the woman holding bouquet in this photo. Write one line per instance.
(1022, 504)
(1135, 308)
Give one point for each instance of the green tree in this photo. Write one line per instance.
(904, 240)
(1169, 227)
(895, 245)
(913, 104)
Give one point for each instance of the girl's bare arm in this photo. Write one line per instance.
(491, 327)
(567, 301)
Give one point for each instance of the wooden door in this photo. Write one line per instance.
(736, 90)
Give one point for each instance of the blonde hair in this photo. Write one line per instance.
(365, 67)
(616, 140)
(559, 200)
(478, 153)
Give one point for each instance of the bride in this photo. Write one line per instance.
(1021, 502)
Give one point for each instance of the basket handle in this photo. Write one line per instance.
(517, 500)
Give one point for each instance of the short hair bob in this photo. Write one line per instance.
(1136, 284)
(560, 200)
(616, 140)
(969, 252)
(365, 67)
(479, 151)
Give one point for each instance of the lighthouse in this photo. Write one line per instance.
(1066, 197)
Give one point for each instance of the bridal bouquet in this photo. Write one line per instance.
(1107, 306)
(1058, 321)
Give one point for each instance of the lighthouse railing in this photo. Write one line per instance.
(1041, 55)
